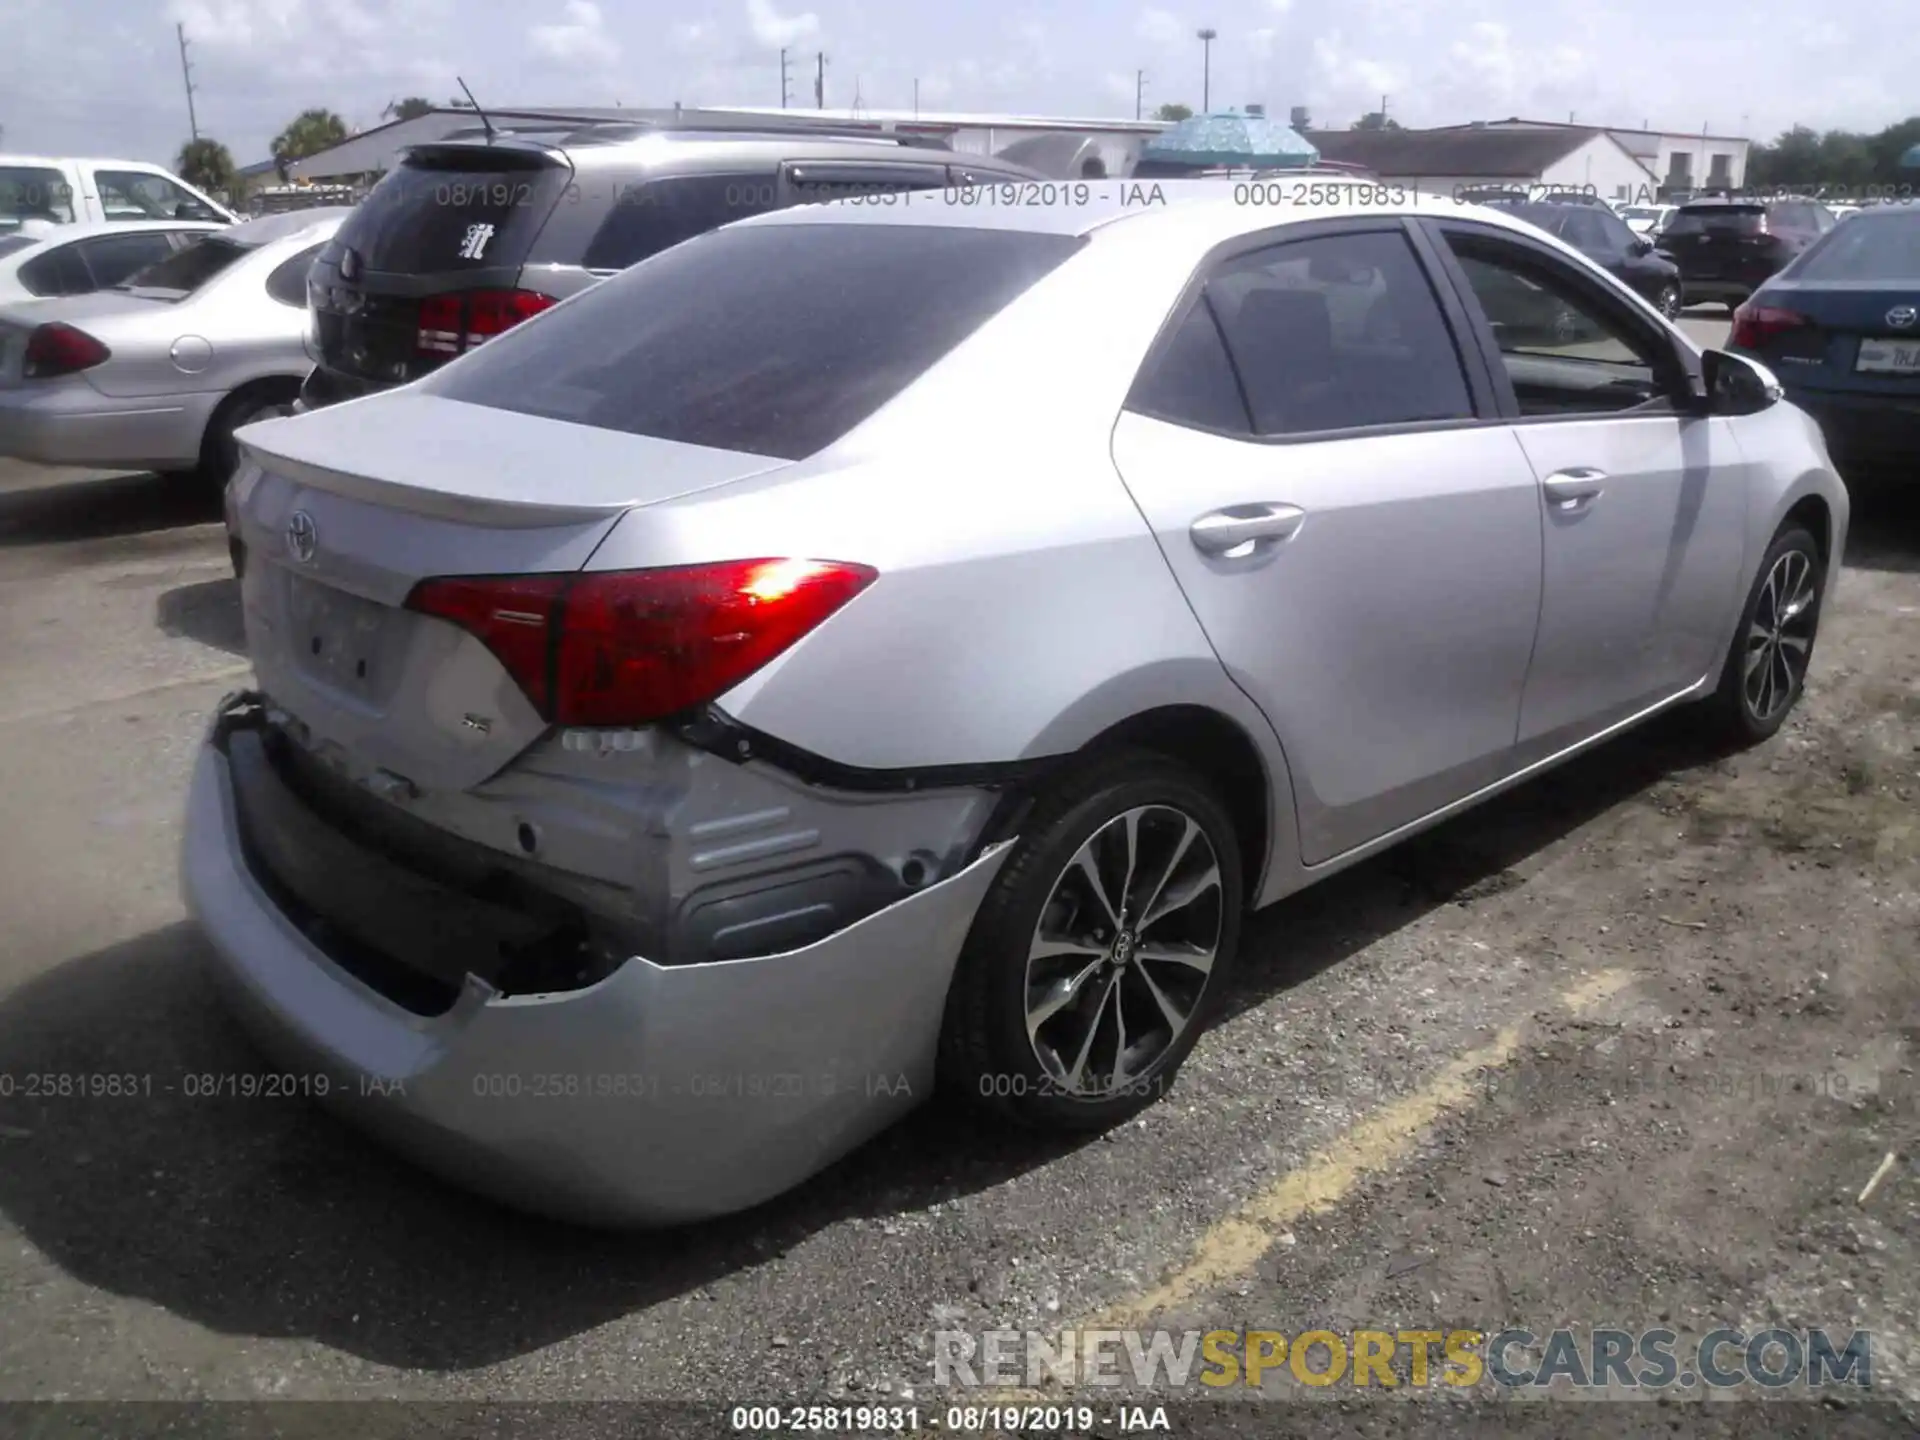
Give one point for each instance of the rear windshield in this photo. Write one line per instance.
(1718, 220)
(444, 212)
(774, 340)
(1882, 248)
(185, 271)
(34, 192)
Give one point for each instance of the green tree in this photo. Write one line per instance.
(207, 165)
(1174, 112)
(411, 108)
(1374, 120)
(310, 132)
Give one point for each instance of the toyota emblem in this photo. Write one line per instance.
(349, 264)
(1901, 317)
(302, 536)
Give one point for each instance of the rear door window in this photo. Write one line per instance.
(112, 258)
(185, 271)
(654, 215)
(1189, 380)
(774, 340)
(453, 213)
(1339, 332)
(59, 271)
(34, 192)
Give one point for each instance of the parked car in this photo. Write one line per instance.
(1727, 249)
(1840, 326)
(1606, 239)
(877, 643)
(159, 371)
(1648, 220)
(79, 259)
(466, 238)
(40, 192)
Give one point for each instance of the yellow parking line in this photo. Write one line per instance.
(1231, 1247)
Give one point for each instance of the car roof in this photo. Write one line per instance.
(1213, 208)
(268, 229)
(67, 234)
(79, 160)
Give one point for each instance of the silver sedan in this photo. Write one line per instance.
(159, 371)
(875, 644)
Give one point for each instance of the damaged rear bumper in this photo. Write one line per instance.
(656, 1095)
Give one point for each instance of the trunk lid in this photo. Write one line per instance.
(449, 219)
(403, 487)
(1849, 326)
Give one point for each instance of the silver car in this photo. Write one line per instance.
(159, 371)
(885, 642)
(79, 259)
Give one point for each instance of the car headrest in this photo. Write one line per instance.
(1290, 327)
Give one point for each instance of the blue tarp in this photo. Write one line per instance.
(1229, 139)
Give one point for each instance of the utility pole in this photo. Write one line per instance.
(1207, 37)
(820, 81)
(1383, 112)
(186, 74)
(916, 98)
(1139, 93)
(785, 89)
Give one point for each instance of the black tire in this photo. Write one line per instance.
(1743, 710)
(986, 1057)
(219, 451)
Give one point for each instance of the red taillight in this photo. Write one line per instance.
(58, 349)
(452, 323)
(626, 647)
(1754, 325)
(512, 616)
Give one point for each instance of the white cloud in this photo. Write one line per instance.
(1260, 43)
(691, 35)
(774, 30)
(1280, 7)
(1161, 27)
(581, 40)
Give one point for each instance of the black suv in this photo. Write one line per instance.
(1604, 238)
(467, 237)
(1727, 249)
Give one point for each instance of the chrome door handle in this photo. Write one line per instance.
(1570, 489)
(1237, 531)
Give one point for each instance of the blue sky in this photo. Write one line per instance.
(103, 76)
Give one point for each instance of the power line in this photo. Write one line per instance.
(186, 74)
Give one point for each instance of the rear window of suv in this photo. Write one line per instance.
(1717, 220)
(774, 340)
(454, 210)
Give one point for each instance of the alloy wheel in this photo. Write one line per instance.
(1121, 957)
(1670, 302)
(1779, 638)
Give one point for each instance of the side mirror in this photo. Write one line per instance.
(1642, 245)
(1736, 385)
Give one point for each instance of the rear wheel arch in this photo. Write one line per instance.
(1218, 750)
(268, 390)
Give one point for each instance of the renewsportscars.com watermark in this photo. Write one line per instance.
(1513, 1359)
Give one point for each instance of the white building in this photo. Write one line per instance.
(1458, 157)
(1680, 161)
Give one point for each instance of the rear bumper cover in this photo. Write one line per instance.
(656, 1096)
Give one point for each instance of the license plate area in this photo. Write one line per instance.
(1888, 357)
(340, 639)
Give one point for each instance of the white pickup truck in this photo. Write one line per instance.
(39, 193)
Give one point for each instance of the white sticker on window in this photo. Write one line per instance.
(474, 245)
